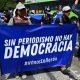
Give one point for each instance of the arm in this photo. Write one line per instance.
(76, 2)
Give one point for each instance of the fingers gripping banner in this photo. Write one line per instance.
(25, 48)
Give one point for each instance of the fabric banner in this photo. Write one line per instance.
(25, 48)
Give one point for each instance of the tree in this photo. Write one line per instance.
(7, 4)
(2, 4)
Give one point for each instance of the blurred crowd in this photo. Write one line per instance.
(21, 15)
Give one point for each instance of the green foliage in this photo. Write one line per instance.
(7, 4)
(2, 4)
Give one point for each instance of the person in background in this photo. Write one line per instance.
(46, 18)
(54, 17)
(11, 12)
(20, 17)
(59, 10)
(64, 19)
(33, 12)
(47, 10)
(75, 8)
(7, 16)
(57, 14)
(77, 11)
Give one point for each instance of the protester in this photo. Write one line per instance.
(20, 17)
(54, 17)
(46, 18)
(57, 14)
(48, 10)
(21, 2)
(75, 7)
(64, 19)
(59, 10)
(7, 16)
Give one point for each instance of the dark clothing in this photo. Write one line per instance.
(64, 19)
(46, 19)
(75, 9)
(7, 17)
